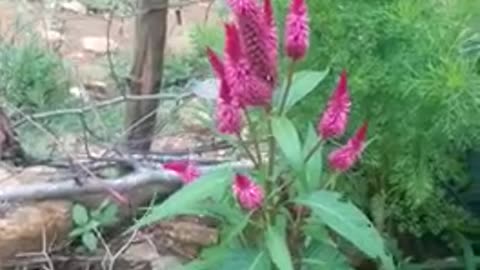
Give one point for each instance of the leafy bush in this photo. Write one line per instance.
(32, 77)
(410, 75)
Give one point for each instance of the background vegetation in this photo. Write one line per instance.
(414, 73)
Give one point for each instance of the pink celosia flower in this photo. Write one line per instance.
(248, 194)
(345, 157)
(335, 117)
(256, 36)
(297, 30)
(228, 112)
(186, 170)
(245, 86)
(271, 35)
(228, 117)
(216, 63)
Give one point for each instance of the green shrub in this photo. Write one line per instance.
(32, 77)
(409, 76)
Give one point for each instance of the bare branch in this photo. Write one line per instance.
(102, 104)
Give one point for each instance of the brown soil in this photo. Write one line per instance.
(35, 17)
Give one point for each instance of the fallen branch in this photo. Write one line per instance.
(166, 183)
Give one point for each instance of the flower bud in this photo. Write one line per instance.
(343, 158)
(334, 120)
(248, 194)
(297, 31)
(187, 171)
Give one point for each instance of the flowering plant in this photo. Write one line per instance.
(285, 213)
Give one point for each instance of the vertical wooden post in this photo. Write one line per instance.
(146, 73)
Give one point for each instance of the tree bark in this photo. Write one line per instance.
(146, 73)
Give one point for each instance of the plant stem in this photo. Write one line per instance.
(247, 151)
(291, 69)
(331, 182)
(313, 150)
(256, 144)
(271, 148)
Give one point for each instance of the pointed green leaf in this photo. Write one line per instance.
(303, 83)
(348, 221)
(80, 214)
(314, 166)
(90, 241)
(323, 255)
(109, 215)
(277, 246)
(287, 137)
(209, 185)
(221, 258)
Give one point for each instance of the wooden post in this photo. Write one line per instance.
(146, 73)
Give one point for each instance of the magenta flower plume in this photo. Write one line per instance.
(343, 158)
(271, 35)
(247, 88)
(228, 112)
(186, 170)
(255, 35)
(228, 117)
(297, 31)
(248, 194)
(216, 63)
(334, 120)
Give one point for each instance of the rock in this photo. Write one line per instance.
(24, 227)
(98, 45)
(145, 252)
(52, 36)
(75, 7)
(80, 93)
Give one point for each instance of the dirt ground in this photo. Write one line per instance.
(73, 27)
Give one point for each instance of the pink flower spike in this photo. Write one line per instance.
(257, 37)
(246, 87)
(248, 194)
(186, 170)
(334, 120)
(233, 46)
(242, 7)
(228, 117)
(343, 158)
(216, 63)
(271, 36)
(297, 31)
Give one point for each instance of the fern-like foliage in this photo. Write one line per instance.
(414, 74)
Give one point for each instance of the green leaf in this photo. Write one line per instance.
(91, 225)
(348, 221)
(210, 184)
(222, 258)
(80, 215)
(314, 166)
(321, 255)
(287, 137)
(316, 230)
(237, 229)
(277, 247)
(77, 232)
(303, 83)
(90, 241)
(108, 216)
